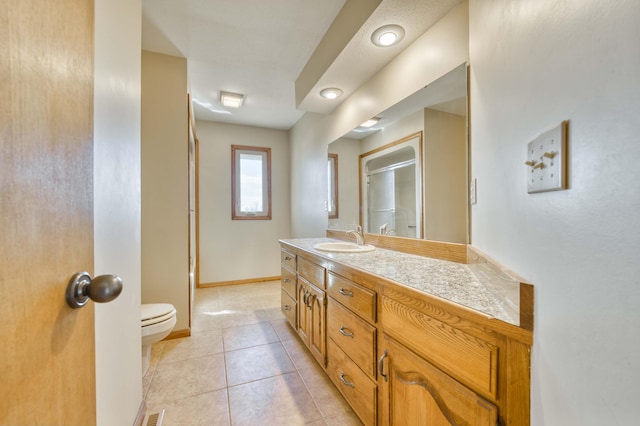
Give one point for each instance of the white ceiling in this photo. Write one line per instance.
(259, 48)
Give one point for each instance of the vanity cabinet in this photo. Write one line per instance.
(311, 301)
(441, 365)
(414, 392)
(351, 313)
(311, 319)
(288, 282)
(401, 356)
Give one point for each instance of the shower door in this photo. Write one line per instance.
(381, 197)
(391, 200)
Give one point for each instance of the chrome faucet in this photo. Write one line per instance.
(358, 234)
(384, 230)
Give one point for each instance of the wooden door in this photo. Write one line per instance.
(317, 328)
(47, 350)
(417, 393)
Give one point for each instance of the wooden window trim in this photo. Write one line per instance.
(234, 214)
(335, 186)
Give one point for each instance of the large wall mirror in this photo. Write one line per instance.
(408, 173)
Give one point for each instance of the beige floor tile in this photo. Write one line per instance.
(205, 409)
(246, 336)
(180, 379)
(344, 419)
(242, 302)
(255, 363)
(201, 344)
(238, 317)
(281, 400)
(209, 307)
(284, 330)
(299, 354)
(273, 379)
(329, 401)
(157, 349)
(206, 321)
(273, 313)
(146, 384)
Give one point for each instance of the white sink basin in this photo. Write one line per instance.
(344, 247)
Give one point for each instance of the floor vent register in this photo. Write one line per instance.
(154, 419)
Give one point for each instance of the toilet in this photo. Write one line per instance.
(158, 319)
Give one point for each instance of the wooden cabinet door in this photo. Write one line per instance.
(317, 327)
(303, 311)
(414, 392)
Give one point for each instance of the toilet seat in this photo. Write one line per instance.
(155, 313)
(157, 320)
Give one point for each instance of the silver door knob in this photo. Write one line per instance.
(101, 289)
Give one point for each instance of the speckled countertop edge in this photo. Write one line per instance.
(455, 282)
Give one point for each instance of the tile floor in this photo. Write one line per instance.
(242, 365)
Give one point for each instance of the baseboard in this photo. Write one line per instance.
(236, 282)
(141, 413)
(178, 334)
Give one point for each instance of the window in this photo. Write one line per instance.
(250, 183)
(332, 173)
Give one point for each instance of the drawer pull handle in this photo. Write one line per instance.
(346, 292)
(287, 280)
(287, 258)
(345, 382)
(345, 333)
(381, 366)
(286, 307)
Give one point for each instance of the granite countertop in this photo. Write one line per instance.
(452, 281)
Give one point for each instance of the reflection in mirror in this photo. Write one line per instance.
(332, 173)
(439, 111)
(391, 188)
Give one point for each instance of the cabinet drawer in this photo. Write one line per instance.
(354, 385)
(288, 281)
(355, 336)
(468, 358)
(288, 260)
(311, 272)
(288, 307)
(360, 300)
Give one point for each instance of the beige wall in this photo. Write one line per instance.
(348, 151)
(117, 208)
(445, 176)
(535, 63)
(233, 250)
(447, 45)
(165, 261)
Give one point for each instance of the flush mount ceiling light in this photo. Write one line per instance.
(387, 35)
(370, 122)
(331, 93)
(231, 100)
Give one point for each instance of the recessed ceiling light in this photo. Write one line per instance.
(231, 100)
(370, 122)
(387, 35)
(331, 93)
